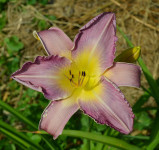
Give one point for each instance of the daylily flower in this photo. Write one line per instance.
(82, 75)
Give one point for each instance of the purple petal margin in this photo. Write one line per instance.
(110, 108)
(41, 75)
(98, 36)
(55, 41)
(56, 115)
(124, 74)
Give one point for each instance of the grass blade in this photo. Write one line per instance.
(17, 136)
(111, 141)
(25, 120)
(143, 99)
(125, 37)
(17, 114)
(152, 83)
(16, 139)
(139, 137)
(155, 134)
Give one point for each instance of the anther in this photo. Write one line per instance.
(72, 76)
(70, 72)
(84, 73)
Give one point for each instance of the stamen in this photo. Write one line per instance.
(66, 77)
(71, 79)
(82, 81)
(79, 77)
(84, 73)
(73, 83)
(82, 78)
(70, 72)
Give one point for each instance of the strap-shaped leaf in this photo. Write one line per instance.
(19, 137)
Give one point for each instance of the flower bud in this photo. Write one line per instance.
(129, 55)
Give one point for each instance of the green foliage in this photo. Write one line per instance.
(142, 121)
(100, 138)
(51, 17)
(3, 1)
(33, 2)
(2, 20)
(143, 99)
(5, 145)
(34, 137)
(42, 25)
(18, 137)
(3, 4)
(13, 44)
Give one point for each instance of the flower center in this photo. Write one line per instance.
(82, 74)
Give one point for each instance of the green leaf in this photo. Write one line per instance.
(25, 120)
(14, 64)
(51, 17)
(42, 25)
(109, 148)
(139, 137)
(10, 147)
(6, 145)
(111, 141)
(152, 83)
(108, 140)
(36, 138)
(17, 114)
(3, 1)
(3, 20)
(143, 99)
(17, 136)
(31, 2)
(142, 120)
(13, 44)
(44, 2)
(154, 140)
(125, 37)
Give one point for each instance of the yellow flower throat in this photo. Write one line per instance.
(83, 75)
